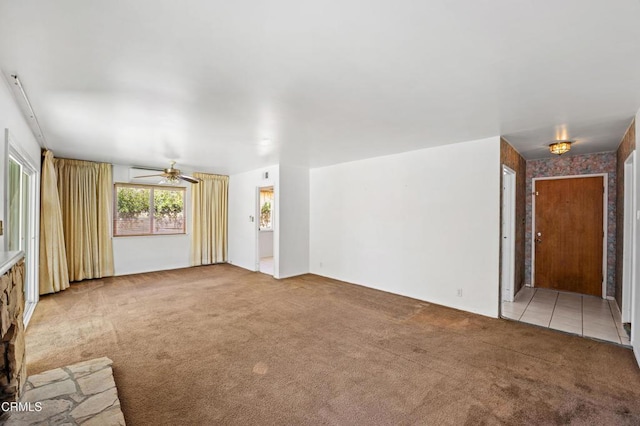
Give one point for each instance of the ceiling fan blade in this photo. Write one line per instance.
(151, 169)
(146, 176)
(189, 179)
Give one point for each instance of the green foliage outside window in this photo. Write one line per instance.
(136, 203)
(167, 204)
(132, 202)
(265, 215)
(266, 208)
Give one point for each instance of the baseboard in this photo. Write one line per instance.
(172, 268)
(296, 274)
(248, 268)
(617, 307)
(28, 313)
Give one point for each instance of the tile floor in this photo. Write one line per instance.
(584, 315)
(266, 265)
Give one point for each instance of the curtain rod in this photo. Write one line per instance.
(81, 161)
(32, 113)
(211, 174)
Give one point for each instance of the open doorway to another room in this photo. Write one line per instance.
(569, 260)
(537, 266)
(265, 229)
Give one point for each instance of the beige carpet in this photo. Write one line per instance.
(221, 345)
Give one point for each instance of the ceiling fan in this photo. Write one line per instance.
(172, 176)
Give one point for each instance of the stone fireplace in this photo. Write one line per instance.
(13, 367)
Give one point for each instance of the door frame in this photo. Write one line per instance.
(605, 198)
(257, 226)
(628, 239)
(509, 222)
(13, 150)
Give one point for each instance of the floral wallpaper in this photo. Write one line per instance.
(576, 165)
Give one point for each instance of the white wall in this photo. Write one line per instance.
(11, 118)
(293, 221)
(266, 244)
(135, 254)
(421, 224)
(243, 249)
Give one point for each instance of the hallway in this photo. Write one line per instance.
(583, 315)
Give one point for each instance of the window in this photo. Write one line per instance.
(148, 210)
(266, 208)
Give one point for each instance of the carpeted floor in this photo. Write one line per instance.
(221, 345)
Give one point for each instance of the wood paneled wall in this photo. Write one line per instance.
(512, 159)
(626, 147)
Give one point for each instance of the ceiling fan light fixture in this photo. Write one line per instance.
(172, 176)
(170, 180)
(560, 147)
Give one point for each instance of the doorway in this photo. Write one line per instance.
(569, 240)
(265, 201)
(628, 240)
(22, 188)
(508, 233)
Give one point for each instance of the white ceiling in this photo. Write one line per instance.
(204, 82)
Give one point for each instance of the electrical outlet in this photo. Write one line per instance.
(321, 264)
(459, 292)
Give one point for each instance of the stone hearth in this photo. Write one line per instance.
(80, 394)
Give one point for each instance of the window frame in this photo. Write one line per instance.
(151, 187)
(267, 189)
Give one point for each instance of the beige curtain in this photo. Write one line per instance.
(86, 199)
(209, 242)
(54, 275)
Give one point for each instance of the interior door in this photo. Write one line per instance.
(569, 234)
(508, 233)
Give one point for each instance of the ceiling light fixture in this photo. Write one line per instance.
(560, 147)
(172, 176)
(170, 180)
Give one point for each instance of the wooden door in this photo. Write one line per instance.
(568, 234)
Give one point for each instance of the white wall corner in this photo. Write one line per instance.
(293, 221)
